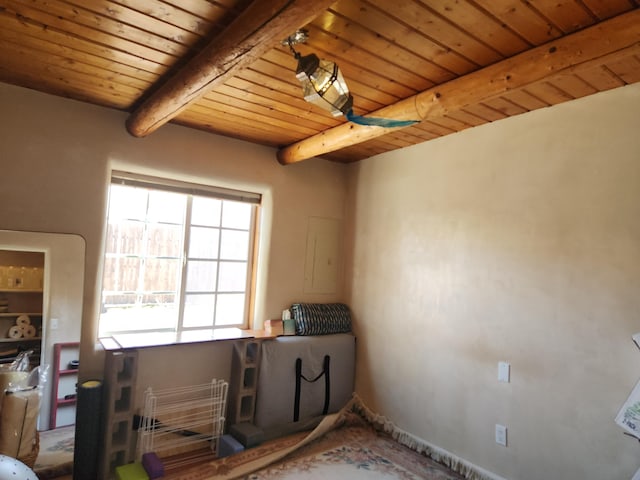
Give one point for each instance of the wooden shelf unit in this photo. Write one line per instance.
(20, 290)
(21, 294)
(62, 354)
(11, 347)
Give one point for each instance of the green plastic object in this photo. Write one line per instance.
(131, 471)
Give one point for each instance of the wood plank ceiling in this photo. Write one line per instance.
(463, 63)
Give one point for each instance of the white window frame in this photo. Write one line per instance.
(191, 190)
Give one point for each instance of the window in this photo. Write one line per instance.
(178, 257)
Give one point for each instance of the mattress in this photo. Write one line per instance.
(286, 401)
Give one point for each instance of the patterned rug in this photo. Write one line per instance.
(55, 457)
(359, 453)
(354, 463)
(344, 446)
(350, 449)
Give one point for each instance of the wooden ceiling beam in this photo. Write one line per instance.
(259, 28)
(606, 39)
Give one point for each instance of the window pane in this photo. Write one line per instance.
(159, 300)
(206, 211)
(201, 276)
(160, 317)
(121, 274)
(230, 309)
(203, 242)
(236, 215)
(198, 310)
(161, 275)
(109, 276)
(127, 203)
(166, 207)
(232, 277)
(118, 299)
(125, 237)
(144, 263)
(234, 245)
(164, 240)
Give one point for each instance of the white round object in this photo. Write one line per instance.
(15, 332)
(12, 469)
(29, 332)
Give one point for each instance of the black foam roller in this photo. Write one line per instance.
(88, 430)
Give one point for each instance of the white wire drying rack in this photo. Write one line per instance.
(182, 419)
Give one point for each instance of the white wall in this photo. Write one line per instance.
(56, 156)
(515, 241)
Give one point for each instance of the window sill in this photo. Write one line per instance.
(145, 340)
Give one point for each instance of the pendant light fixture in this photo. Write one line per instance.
(322, 81)
(323, 85)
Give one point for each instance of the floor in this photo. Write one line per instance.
(55, 456)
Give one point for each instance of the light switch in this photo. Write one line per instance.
(501, 435)
(504, 370)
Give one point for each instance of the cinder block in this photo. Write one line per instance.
(131, 471)
(247, 434)
(227, 445)
(152, 465)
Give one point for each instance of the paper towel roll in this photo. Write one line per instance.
(23, 320)
(15, 332)
(30, 331)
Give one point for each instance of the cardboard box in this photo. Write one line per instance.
(274, 327)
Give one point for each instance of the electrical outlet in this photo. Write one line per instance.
(501, 435)
(504, 372)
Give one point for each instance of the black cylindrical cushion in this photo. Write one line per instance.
(88, 430)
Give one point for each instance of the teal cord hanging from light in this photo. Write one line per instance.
(378, 122)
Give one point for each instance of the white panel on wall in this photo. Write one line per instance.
(323, 254)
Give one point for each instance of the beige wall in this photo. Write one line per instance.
(517, 241)
(56, 156)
